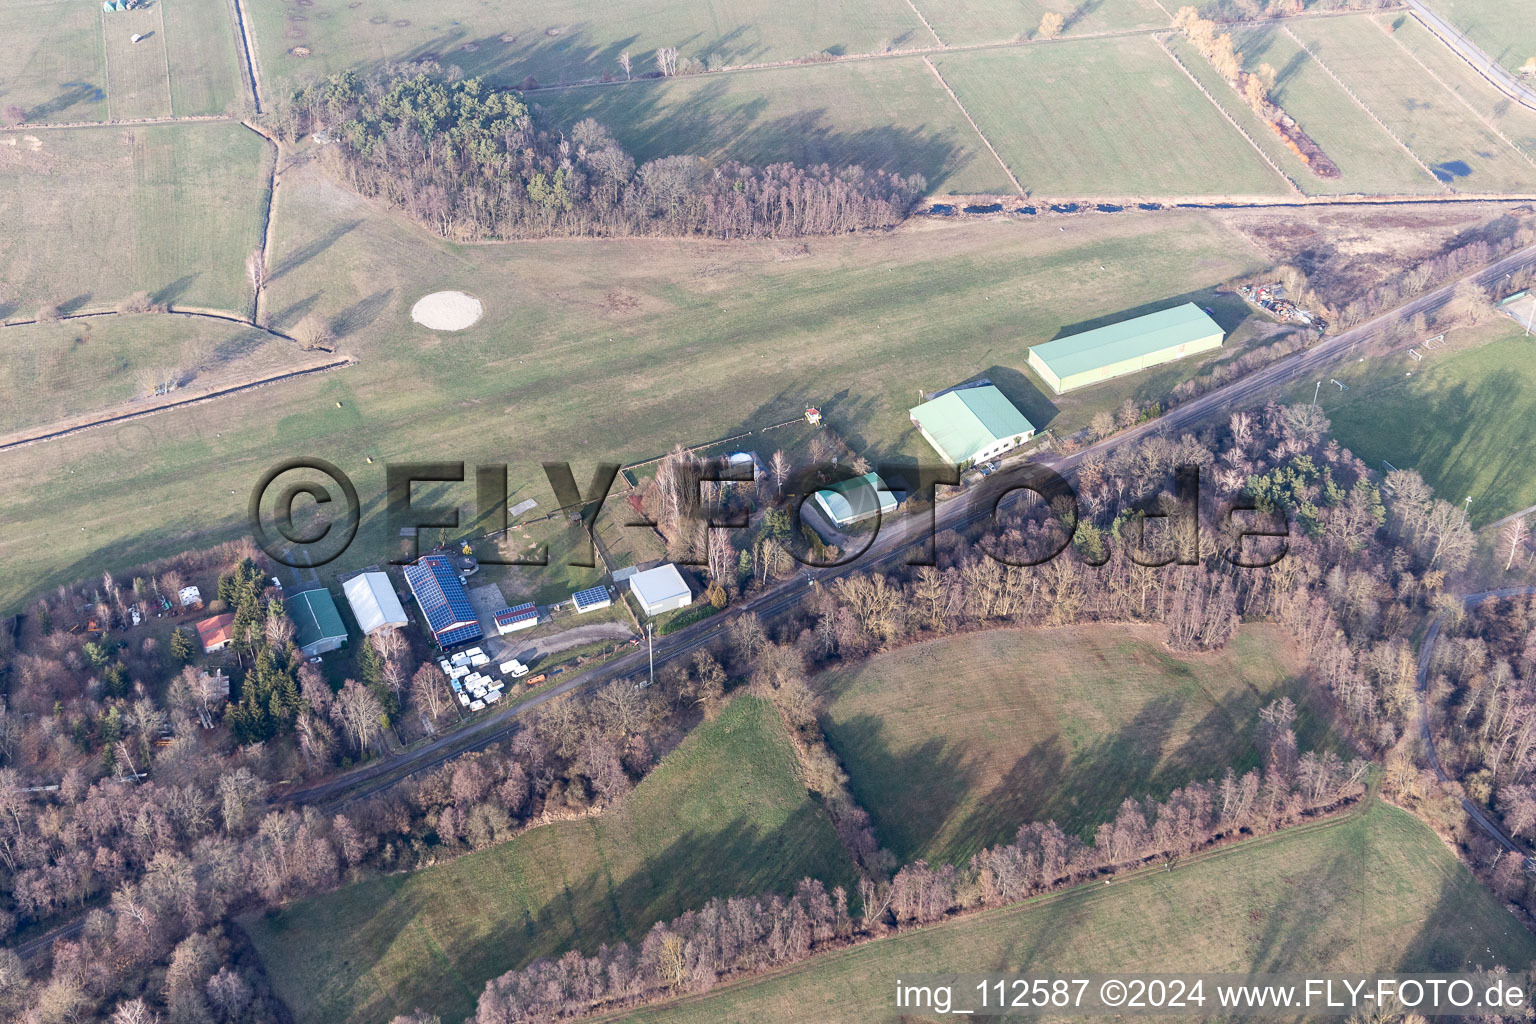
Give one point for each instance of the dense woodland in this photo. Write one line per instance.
(471, 161)
(1482, 681)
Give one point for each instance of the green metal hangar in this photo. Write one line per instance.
(971, 424)
(1125, 347)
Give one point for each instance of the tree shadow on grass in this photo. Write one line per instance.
(287, 317)
(292, 261)
(71, 94)
(168, 295)
(716, 118)
(585, 910)
(911, 794)
(361, 314)
(1077, 789)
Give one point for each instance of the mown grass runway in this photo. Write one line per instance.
(592, 350)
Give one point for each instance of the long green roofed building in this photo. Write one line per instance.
(1125, 347)
(970, 425)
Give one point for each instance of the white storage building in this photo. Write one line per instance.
(660, 589)
(374, 602)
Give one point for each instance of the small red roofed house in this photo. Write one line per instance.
(217, 632)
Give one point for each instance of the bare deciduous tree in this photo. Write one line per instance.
(1514, 538)
(359, 713)
(666, 60)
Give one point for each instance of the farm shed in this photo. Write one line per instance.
(216, 633)
(971, 425)
(660, 589)
(373, 602)
(591, 599)
(1125, 347)
(443, 601)
(853, 501)
(317, 623)
(522, 616)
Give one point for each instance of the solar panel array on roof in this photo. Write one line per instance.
(517, 613)
(443, 601)
(592, 597)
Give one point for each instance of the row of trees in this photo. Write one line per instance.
(471, 161)
(1254, 87)
(745, 935)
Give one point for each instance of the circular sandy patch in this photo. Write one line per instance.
(446, 311)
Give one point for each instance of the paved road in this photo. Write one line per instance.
(1426, 651)
(892, 541)
(1472, 54)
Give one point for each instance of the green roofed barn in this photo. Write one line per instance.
(317, 624)
(970, 425)
(1125, 347)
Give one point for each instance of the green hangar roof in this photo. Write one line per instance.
(852, 501)
(971, 424)
(1125, 347)
(317, 623)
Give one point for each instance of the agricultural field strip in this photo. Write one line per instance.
(1230, 119)
(1460, 150)
(947, 49)
(1463, 78)
(922, 18)
(975, 127)
(165, 48)
(1487, 122)
(1362, 105)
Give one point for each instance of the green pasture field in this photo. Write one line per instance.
(1502, 31)
(962, 22)
(603, 350)
(53, 371)
(1371, 893)
(1460, 150)
(205, 65)
(96, 214)
(1104, 118)
(723, 814)
(952, 745)
(1465, 419)
(54, 67)
(138, 74)
(1515, 120)
(564, 40)
(890, 115)
(1369, 160)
